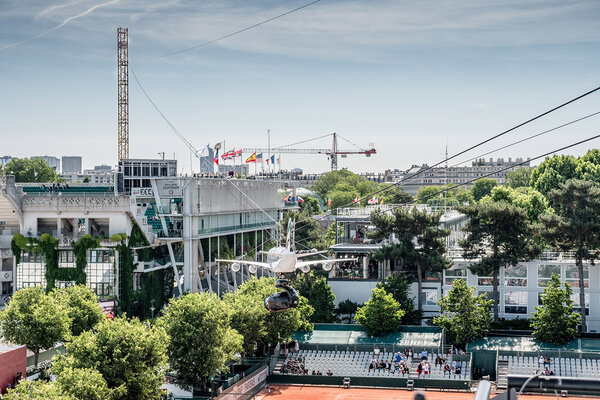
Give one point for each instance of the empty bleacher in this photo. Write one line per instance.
(67, 190)
(560, 366)
(351, 363)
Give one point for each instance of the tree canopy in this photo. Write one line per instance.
(499, 234)
(483, 187)
(575, 225)
(399, 287)
(81, 305)
(382, 313)
(129, 355)
(202, 340)
(30, 170)
(555, 321)
(463, 314)
(35, 320)
(37, 390)
(448, 195)
(518, 178)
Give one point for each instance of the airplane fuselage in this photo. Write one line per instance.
(284, 263)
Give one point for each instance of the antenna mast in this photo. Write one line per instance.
(123, 92)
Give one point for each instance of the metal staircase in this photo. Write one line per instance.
(501, 375)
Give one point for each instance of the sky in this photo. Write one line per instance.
(410, 77)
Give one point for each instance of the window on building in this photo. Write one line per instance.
(452, 274)
(572, 275)
(429, 297)
(515, 275)
(515, 302)
(485, 281)
(545, 272)
(576, 302)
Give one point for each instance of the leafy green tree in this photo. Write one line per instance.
(248, 316)
(86, 384)
(305, 311)
(322, 300)
(448, 195)
(552, 172)
(555, 321)
(343, 181)
(129, 355)
(35, 320)
(518, 178)
(347, 308)
(399, 287)
(342, 198)
(463, 314)
(394, 194)
(202, 340)
(382, 313)
(483, 187)
(310, 205)
(37, 390)
(499, 234)
(575, 225)
(30, 170)
(279, 325)
(428, 251)
(528, 198)
(81, 305)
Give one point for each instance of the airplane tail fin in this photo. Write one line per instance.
(289, 240)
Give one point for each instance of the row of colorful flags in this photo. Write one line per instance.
(259, 158)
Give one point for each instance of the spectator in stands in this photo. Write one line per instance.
(410, 354)
(319, 373)
(376, 351)
(388, 365)
(396, 366)
(296, 346)
(373, 364)
(329, 373)
(314, 372)
(426, 367)
(447, 369)
(424, 354)
(419, 370)
(547, 371)
(457, 369)
(397, 357)
(444, 358)
(438, 361)
(541, 361)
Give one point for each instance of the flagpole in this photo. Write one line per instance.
(269, 148)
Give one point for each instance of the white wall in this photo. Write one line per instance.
(355, 290)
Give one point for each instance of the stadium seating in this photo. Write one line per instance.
(350, 363)
(567, 367)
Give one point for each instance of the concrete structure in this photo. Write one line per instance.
(71, 165)
(207, 164)
(136, 173)
(440, 176)
(193, 219)
(53, 162)
(13, 365)
(5, 160)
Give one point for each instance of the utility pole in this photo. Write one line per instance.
(123, 92)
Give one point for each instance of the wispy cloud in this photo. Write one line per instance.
(55, 8)
(63, 23)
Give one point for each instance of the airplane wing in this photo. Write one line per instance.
(258, 264)
(324, 261)
(311, 254)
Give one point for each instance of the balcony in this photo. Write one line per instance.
(223, 229)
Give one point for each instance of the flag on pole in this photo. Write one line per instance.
(300, 199)
(216, 160)
(259, 158)
(273, 159)
(328, 202)
(355, 201)
(238, 153)
(381, 202)
(252, 158)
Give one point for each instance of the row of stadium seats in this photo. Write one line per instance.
(567, 367)
(349, 363)
(70, 189)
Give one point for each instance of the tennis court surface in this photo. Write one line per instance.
(280, 392)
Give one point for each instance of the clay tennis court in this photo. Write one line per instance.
(300, 392)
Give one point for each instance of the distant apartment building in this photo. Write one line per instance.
(417, 177)
(53, 162)
(71, 165)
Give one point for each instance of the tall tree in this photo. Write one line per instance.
(552, 172)
(555, 321)
(347, 308)
(322, 299)
(499, 234)
(519, 177)
(576, 225)
(380, 314)
(30, 170)
(37, 390)
(426, 252)
(202, 340)
(483, 187)
(35, 320)
(129, 355)
(463, 314)
(399, 287)
(81, 305)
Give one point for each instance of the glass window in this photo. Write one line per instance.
(429, 297)
(452, 274)
(485, 281)
(545, 272)
(576, 303)
(572, 275)
(515, 302)
(515, 275)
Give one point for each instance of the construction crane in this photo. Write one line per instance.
(123, 92)
(332, 153)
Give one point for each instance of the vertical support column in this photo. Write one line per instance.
(234, 256)
(59, 226)
(365, 268)
(209, 266)
(218, 266)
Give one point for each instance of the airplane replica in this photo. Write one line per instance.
(283, 260)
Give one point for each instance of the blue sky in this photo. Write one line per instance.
(408, 76)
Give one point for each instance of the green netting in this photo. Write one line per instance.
(354, 334)
(529, 344)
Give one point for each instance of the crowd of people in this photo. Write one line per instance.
(544, 368)
(401, 363)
